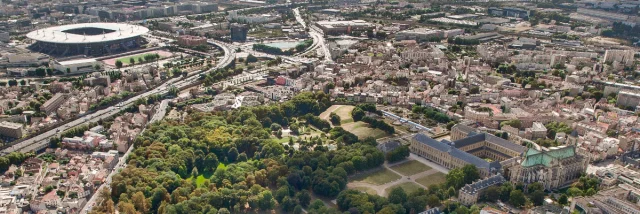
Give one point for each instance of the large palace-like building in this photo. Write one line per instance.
(487, 152)
(554, 167)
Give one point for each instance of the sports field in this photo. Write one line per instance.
(125, 59)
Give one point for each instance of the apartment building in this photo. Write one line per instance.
(53, 103)
(625, 57)
(9, 129)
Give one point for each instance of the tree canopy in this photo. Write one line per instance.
(240, 162)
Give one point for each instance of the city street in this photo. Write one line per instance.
(42, 141)
(158, 115)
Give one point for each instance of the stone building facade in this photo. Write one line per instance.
(470, 193)
(487, 152)
(554, 169)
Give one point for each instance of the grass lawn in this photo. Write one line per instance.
(379, 177)
(411, 167)
(362, 130)
(345, 113)
(350, 120)
(436, 178)
(201, 178)
(283, 139)
(325, 115)
(125, 60)
(409, 187)
(366, 189)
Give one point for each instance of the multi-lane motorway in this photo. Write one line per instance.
(316, 34)
(41, 141)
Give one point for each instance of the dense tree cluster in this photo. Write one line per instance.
(334, 118)
(278, 51)
(108, 101)
(431, 113)
(13, 158)
(41, 72)
(359, 114)
(506, 69)
(398, 201)
(426, 17)
(240, 162)
(462, 41)
(557, 127)
(360, 110)
(586, 186)
(379, 124)
(340, 135)
(317, 122)
(114, 75)
(620, 29)
(513, 123)
(398, 154)
(217, 75)
(251, 59)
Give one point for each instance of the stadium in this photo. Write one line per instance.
(89, 39)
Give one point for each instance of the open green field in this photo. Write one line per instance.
(436, 178)
(378, 177)
(411, 167)
(362, 130)
(409, 187)
(344, 111)
(283, 139)
(345, 114)
(366, 189)
(125, 60)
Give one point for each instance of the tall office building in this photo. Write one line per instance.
(239, 32)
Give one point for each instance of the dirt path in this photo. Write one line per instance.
(325, 115)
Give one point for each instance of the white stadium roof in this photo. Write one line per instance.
(57, 35)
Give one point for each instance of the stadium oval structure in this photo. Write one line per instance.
(92, 39)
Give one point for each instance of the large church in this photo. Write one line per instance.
(553, 167)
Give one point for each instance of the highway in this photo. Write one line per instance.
(317, 38)
(229, 56)
(317, 35)
(296, 12)
(41, 141)
(315, 32)
(318, 41)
